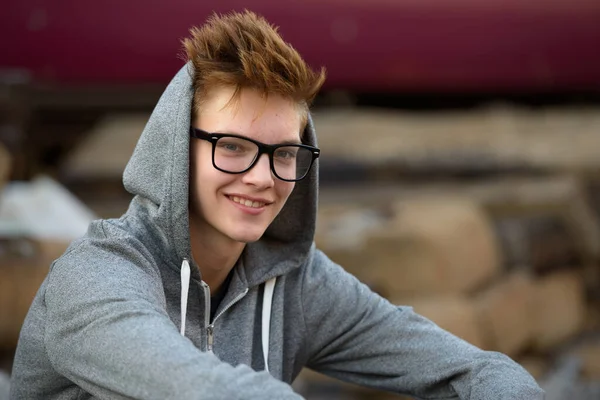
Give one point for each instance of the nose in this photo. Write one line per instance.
(260, 174)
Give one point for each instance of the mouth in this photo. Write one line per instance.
(247, 202)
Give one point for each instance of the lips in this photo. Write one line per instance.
(248, 202)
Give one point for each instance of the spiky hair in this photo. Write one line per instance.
(243, 50)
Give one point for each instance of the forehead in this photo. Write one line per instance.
(270, 119)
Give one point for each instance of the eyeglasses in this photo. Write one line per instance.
(236, 154)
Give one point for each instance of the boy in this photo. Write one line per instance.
(210, 286)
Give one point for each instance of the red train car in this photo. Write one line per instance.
(376, 45)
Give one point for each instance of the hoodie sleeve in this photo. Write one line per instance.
(359, 337)
(107, 331)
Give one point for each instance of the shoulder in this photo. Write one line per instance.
(321, 277)
(108, 252)
(319, 266)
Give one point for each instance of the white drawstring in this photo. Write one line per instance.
(185, 288)
(266, 319)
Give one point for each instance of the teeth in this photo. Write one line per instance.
(247, 203)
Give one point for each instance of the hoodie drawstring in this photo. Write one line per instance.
(185, 288)
(266, 319)
(266, 311)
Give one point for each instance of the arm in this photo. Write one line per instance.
(107, 331)
(359, 337)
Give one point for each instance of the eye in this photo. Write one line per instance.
(230, 146)
(285, 153)
(234, 145)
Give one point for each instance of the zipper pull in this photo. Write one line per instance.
(209, 338)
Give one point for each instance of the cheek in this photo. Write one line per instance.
(207, 180)
(201, 172)
(285, 189)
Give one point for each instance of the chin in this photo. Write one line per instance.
(247, 236)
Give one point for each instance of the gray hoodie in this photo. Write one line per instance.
(124, 312)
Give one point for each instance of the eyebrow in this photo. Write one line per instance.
(291, 142)
(294, 141)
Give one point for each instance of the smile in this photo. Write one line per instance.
(246, 202)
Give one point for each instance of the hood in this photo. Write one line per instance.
(158, 175)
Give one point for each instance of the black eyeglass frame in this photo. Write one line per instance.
(263, 148)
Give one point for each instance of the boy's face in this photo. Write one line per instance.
(215, 196)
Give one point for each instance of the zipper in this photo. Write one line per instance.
(210, 328)
(209, 337)
(235, 300)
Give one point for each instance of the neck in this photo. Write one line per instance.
(215, 254)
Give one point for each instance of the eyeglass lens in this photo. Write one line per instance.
(236, 155)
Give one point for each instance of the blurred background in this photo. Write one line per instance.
(459, 168)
